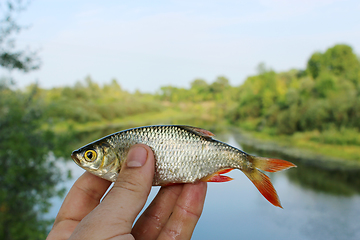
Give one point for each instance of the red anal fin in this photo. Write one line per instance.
(271, 164)
(264, 185)
(216, 177)
(200, 131)
(219, 178)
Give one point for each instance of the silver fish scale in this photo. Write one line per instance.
(181, 154)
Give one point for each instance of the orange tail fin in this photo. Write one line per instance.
(261, 181)
(271, 164)
(264, 185)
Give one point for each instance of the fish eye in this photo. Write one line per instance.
(90, 155)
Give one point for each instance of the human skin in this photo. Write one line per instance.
(173, 213)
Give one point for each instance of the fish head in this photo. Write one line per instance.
(98, 158)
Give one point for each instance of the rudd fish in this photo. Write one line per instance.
(183, 154)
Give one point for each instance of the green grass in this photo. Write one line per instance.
(135, 120)
(184, 114)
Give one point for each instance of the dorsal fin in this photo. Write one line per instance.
(200, 131)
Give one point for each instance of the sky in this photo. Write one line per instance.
(149, 44)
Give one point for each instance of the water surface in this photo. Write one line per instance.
(318, 204)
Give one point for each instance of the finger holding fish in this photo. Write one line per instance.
(154, 218)
(186, 212)
(165, 215)
(114, 216)
(82, 198)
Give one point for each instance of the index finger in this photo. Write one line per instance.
(82, 198)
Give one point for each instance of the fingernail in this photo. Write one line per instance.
(137, 157)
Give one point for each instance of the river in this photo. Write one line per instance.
(318, 204)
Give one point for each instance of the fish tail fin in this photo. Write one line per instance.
(271, 164)
(264, 185)
(261, 181)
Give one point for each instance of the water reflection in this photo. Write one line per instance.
(319, 203)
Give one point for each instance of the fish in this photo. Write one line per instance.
(183, 154)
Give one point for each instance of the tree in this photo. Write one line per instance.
(338, 60)
(10, 57)
(28, 176)
(220, 84)
(341, 61)
(261, 68)
(200, 89)
(314, 64)
(199, 84)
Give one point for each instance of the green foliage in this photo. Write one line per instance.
(214, 100)
(200, 91)
(10, 58)
(343, 136)
(28, 174)
(91, 103)
(338, 61)
(325, 96)
(314, 65)
(341, 61)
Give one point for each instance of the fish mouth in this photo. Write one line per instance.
(74, 157)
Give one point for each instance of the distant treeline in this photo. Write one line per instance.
(323, 97)
(86, 102)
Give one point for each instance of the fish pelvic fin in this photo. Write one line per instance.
(264, 185)
(217, 177)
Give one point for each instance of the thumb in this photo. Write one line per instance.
(132, 187)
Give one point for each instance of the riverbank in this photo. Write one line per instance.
(328, 156)
(304, 146)
(83, 133)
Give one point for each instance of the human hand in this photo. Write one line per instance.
(172, 214)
